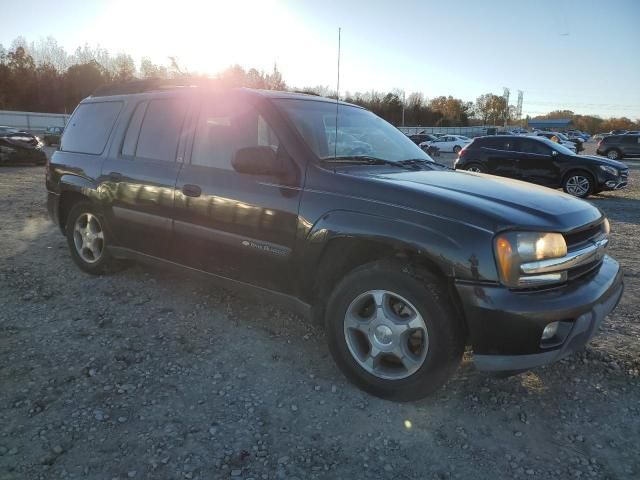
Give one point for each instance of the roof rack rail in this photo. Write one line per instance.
(151, 84)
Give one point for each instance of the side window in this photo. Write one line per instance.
(630, 140)
(160, 130)
(533, 146)
(224, 128)
(89, 127)
(133, 130)
(497, 143)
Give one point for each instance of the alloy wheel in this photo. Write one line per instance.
(613, 155)
(88, 237)
(578, 185)
(386, 334)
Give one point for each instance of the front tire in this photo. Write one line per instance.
(579, 184)
(88, 239)
(392, 332)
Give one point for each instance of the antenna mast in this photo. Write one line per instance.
(335, 143)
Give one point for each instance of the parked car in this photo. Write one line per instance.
(562, 140)
(617, 147)
(633, 132)
(618, 132)
(449, 143)
(17, 147)
(422, 137)
(575, 137)
(403, 260)
(52, 135)
(539, 160)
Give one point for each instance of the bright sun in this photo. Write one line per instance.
(205, 36)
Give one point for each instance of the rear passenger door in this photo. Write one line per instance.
(501, 157)
(237, 225)
(631, 145)
(537, 164)
(139, 176)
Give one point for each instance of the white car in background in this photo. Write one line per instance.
(449, 143)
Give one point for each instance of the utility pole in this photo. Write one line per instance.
(519, 107)
(403, 108)
(506, 109)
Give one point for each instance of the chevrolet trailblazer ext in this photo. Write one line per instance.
(405, 261)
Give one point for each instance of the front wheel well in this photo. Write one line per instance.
(343, 255)
(67, 200)
(574, 171)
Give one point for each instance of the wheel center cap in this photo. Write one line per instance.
(383, 334)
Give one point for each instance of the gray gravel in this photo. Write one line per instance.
(154, 374)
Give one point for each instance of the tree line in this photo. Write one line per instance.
(43, 77)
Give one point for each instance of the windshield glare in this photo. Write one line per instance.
(360, 133)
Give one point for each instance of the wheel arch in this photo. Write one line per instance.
(73, 189)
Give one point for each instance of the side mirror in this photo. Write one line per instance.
(259, 160)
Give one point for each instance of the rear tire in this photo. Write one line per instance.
(457, 148)
(614, 154)
(475, 167)
(88, 239)
(578, 184)
(410, 310)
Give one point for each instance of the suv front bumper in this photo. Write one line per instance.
(506, 326)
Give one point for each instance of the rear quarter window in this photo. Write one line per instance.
(90, 126)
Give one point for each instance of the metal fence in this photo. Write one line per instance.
(34, 122)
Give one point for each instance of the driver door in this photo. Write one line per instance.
(236, 225)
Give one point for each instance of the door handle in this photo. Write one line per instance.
(191, 190)
(115, 176)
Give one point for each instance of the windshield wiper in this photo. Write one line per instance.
(367, 160)
(422, 161)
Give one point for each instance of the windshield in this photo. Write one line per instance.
(561, 136)
(556, 146)
(359, 132)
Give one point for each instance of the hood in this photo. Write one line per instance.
(604, 161)
(489, 202)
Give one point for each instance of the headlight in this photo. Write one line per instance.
(512, 249)
(609, 170)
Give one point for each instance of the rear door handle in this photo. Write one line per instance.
(115, 176)
(191, 190)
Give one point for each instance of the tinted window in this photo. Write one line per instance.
(223, 128)
(630, 140)
(131, 137)
(533, 146)
(90, 127)
(497, 143)
(160, 130)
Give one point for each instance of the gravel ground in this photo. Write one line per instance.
(155, 374)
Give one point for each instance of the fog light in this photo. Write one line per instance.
(611, 184)
(550, 331)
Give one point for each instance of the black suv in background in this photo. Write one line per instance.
(405, 261)
(617, 147)
(539, 160)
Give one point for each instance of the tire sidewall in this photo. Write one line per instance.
(445, 344)
(618, 155)
(99, 267)
(588, 176)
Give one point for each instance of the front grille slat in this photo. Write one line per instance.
(579, 239)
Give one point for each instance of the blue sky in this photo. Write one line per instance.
(580, 55)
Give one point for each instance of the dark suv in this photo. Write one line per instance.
(539, 160)
(403, 260)
(616, 147)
